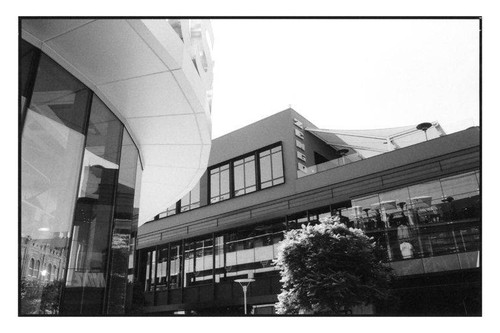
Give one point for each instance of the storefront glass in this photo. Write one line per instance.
(52, 143)
(78, 203)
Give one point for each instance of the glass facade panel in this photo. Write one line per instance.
(461, 196)
(172, 210)
(277, 160)
(175, 266)
(426, 202)
(219, 184)
(219, 258)
(265, 170)
(189, 252)
(271, 167)
(244, 176)
(29, 56)
(88, 263)
(51, 149)
(123, 227)
(400, 221)
(190, 200)
(161, 269)
(204, 261)
(252, 250)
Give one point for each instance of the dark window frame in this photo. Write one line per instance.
(230, 162)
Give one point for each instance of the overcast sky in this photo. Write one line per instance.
(347, 74)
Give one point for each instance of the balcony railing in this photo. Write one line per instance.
(329, 165)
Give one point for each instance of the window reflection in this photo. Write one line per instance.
(87, 269)
(175, 265)
(271, 167)
(422, 219)
(190, 201)
(52, 145)
(461, 196)
(29, 56)
(219, 183)
(161, 269)
(252, 250)
(123, 226)
(203, 261)
(244, 176)
(399, 221)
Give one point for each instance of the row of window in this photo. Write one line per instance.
(423, 220)
(253, 172)
(50, 272)
(256, 171)
(213, 258)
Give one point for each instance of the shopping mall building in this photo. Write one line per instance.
(105, 105)
(416, 191)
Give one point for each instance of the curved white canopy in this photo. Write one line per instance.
(145, 74)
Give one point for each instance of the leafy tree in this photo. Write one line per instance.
(50, 297)
(30, 296)
(328, 269)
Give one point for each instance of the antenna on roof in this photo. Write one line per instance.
(289, 106)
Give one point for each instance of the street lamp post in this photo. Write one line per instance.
(424, 127)
(244, 284)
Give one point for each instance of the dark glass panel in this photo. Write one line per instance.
(400, 219)
(161, 269)
(203, 261)
(219, 258)
(461, 196)
(123, 227)
(88, 264)
(426, 203)
(28, 59)
(189, 248)
(51, 150)
(175, 266)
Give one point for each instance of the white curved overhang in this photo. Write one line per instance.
(144, 72)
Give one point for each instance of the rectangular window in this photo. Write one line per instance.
(219, 183)
(271, 167)
(241, 176)
(175, 266)
(244, 176)
(189, 263)
(191, 200)
(161, 269)
(170, 210)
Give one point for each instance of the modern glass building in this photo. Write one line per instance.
(417, 196)
(89, 91)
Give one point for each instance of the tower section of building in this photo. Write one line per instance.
(115, 114)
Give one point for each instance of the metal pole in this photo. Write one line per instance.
(245, 298)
